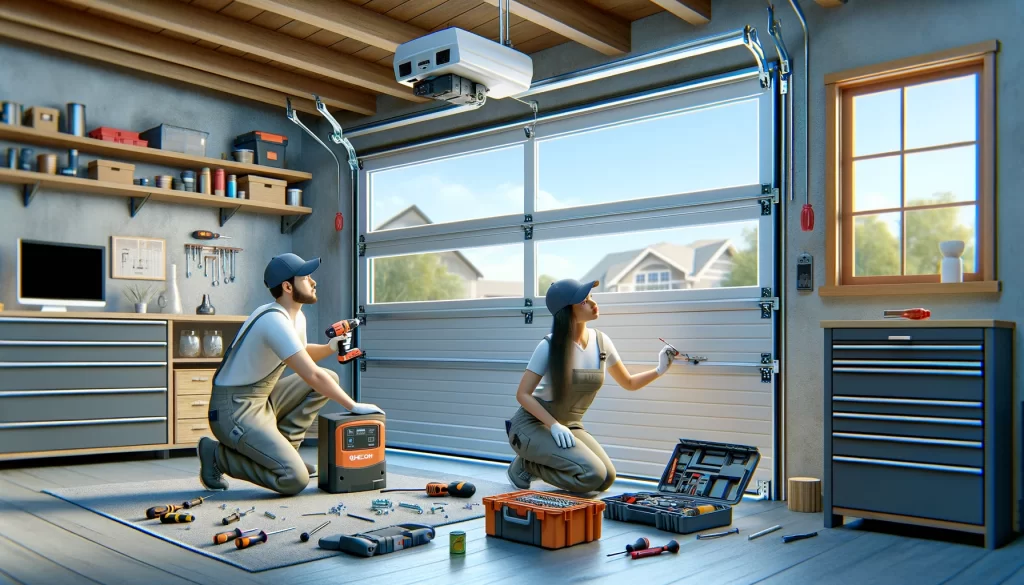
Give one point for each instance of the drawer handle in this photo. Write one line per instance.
(920, 372)
(83, 392)
(79, 364)
(200, 379)
(24, 343)
(914, 440)
(912, 401)
(200, 403)
(909, 465)
(899, 338)
(43, 320)
(965, 422)
(942, 364)
(80, 423)
(912, 347)
(195, 428)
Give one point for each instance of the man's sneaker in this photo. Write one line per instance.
(518, 475)
(211, 477)
(311, 468)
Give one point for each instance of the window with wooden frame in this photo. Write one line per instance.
(910, 164)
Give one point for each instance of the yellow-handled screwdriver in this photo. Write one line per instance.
(222, 537)
(247, 541)
(158, 511)
(176, 518)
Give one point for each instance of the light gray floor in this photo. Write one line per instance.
(45, 540)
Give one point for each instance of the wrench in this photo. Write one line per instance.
(188, 261)
(234, 259)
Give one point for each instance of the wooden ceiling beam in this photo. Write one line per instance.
(120, 58)
(345, 19)
(87, 27)
(695, 12)
(242, 36)
(578, 21)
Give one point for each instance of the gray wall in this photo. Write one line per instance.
(860, 33)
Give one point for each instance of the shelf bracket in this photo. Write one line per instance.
(30, 191)
(135, 205)
(290, 223)
(227, 213)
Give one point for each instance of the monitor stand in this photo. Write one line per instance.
(54, 309)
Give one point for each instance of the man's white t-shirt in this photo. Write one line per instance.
(584, 358)
(271, 340)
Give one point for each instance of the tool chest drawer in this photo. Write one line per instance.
(55, 330)
(907, 383)
(909, 406)
(85, 351)
(963, 429)
(81, 434)
(909, 335)
(85, 404)
(193, 382)
(191, 430)
(70, 376)
(947, 493)
(192, 406)
(912, 449)
(925, 351)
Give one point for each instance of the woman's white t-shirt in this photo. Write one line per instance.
(584, 358)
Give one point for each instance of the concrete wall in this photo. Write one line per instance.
(862, 32)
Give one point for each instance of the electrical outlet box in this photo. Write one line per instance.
(804, 272)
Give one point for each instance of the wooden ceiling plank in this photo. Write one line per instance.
(324, 38)
(173, 71)
(253, 39)
(577, 21)
(240, 11)
(544, 41)
(410, 10)
(475, 17)
(97, 30)
(439, 16)
(270, 21)
(695, 12)
(298, 29)
(344, 19)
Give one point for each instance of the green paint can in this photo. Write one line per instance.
(457, 542)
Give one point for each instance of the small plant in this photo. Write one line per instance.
(138, 294)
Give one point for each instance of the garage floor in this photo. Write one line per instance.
(46, 540)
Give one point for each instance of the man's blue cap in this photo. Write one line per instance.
(286, 266)
(567, 292)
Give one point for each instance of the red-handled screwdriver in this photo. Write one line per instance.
(917, 313)
(640, 544)
(672, 547)
(247, 541)
(222, 537)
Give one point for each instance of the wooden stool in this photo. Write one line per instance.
(804, 494)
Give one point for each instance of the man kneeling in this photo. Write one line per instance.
(260, 418)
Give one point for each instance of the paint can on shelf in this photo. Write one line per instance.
(12, 113)
(76, 119)
(457, 542)
(294, 197)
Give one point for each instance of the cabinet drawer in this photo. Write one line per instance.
(908, 383)
(192, 406)
(909, 334)
(946, 493)
(137, 351)
(908, 351)
(81, 434)
(68, 376)
(81, 404)
(191, 430)
(70, 329)
(960, 429)
(909, 406)
(912, 449)
(194, 381)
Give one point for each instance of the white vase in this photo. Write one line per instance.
(952, 268)
(170, 299)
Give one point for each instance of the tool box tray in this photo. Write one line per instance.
(697, 490)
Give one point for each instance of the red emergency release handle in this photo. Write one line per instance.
(339, 222)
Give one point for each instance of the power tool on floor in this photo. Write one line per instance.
(344, 329)
(350, 452)
(381, 541)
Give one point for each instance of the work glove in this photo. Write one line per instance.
(665, 359)
(335, 342)
(563, 436)
(364, 408)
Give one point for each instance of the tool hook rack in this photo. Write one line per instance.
(199, 257)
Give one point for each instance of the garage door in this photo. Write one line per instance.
(665, 198)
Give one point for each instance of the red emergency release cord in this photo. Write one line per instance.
(339, 222)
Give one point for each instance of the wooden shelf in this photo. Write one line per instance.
(72, 314)
(144, 153)
(917, 289)
(138, 196)
(202, 360)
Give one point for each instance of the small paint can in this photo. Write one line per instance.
(12, 158)
(457, 542)
(76, 119)
(294, 197)
(12, 113)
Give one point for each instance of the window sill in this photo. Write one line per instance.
(911, 288)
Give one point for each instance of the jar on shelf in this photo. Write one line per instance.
(213, 343)
(188, 344)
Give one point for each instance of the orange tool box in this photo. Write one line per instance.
(543, 519)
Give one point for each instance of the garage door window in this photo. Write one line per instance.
(469, 273)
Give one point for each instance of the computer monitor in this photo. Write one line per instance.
(58, 275)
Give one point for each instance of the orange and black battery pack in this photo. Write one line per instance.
(350, 452)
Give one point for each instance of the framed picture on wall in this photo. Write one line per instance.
(135, 258)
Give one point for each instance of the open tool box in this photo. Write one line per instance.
(543, 519)
(697, 490)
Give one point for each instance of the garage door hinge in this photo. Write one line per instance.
(528, 316)
(770, 367)
(766, 203)
(528, 229)
(362, 365)
(767, 306)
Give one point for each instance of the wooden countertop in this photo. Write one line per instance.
(111, 315)
(910, 323)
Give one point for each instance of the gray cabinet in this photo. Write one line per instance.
(70, 384)
(918, 424)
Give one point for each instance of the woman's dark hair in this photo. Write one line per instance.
(560, 352)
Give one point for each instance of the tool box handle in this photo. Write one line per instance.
(516, 519)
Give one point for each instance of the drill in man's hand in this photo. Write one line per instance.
(342, 331)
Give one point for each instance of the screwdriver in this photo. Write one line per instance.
(236, 516)
(205, 235)
(917, 313)
(640, 544)
(305, 535)
(672, 547)
(176, 518)
(247, 541)
(196, 501)
(459, 489)
(222, 537)
(158, 511)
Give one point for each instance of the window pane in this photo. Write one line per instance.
(470, 273)
(719, 255)
(942, 176)
(876, 183)
(697, 150)
(484, 184)
(942, 112)
(927, 227)
(876, 123)
(876, 245)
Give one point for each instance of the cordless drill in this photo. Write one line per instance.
(344, 329)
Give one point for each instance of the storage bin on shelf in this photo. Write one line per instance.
(268, 148)
(112, 171)
(263, 188)
(176, 139)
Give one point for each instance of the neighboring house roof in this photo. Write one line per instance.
(419, 218)
(690, 260)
